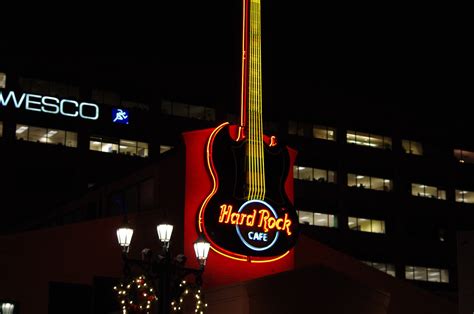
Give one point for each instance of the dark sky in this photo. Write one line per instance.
(414, 59)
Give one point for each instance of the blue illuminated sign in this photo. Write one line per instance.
(120, 116)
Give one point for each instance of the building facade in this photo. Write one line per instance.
(385, 191)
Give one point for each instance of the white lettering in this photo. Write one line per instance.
(53, 104)
(96, 109)
(30, 102)
(63, 112)
(12, 95)
(258, 236)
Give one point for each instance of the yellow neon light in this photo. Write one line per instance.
(255, 150)
(271, 260)
(242, 259)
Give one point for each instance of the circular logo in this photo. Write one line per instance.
(257, 228)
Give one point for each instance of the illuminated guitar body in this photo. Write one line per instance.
(252, 229)
(247, 216)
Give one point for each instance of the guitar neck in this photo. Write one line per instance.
(251, 111)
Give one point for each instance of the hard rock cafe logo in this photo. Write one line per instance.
(257, 223)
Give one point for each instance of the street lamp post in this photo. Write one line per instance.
(166, 273)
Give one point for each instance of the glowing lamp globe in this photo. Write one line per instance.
(164, 232)
(201, 248)
(124, 237)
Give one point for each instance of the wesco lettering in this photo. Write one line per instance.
(52, 105)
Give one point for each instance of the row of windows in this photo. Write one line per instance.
(414, 272)
(317, 219)
(120, 146)
(366, 225)
(311, 130)
(427, 191)
(188, 111)
(464, 196)
(328, 220)
(313, 174)
(426, 274)
(366, 139)
(378, 184)
(45, 135)
(373, 183)
(386, 268)
(67, 138)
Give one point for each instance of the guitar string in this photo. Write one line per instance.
(260, 104)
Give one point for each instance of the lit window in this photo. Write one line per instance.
(310, 174)
(464, 196)
(324, 132)
(306, 218)
(426, 274)
(103, 145)
(71, 139)
(310, 130)
(464, 156)
(1, 128)
(366, 225)
(128, 147)
(142, 149)
(45, 135)
(434, 275)
(412, 147)
(366, 139)
(325, 220)
(386, 268)
(305, 173)
(317, 219)
(374, 183)
(164, 148)
(427, 191)
(3, 80)
(37, 134)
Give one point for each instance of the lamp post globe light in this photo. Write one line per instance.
(7, 308)
(159, 279)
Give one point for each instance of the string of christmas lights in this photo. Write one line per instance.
(136, 296)
(189, 289)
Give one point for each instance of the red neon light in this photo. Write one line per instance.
(245, 40)
(210, 165)
(265, 219)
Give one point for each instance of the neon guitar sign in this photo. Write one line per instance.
(247, 216)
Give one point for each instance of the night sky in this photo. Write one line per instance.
(407, 61)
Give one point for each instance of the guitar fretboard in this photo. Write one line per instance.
(252, 54)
